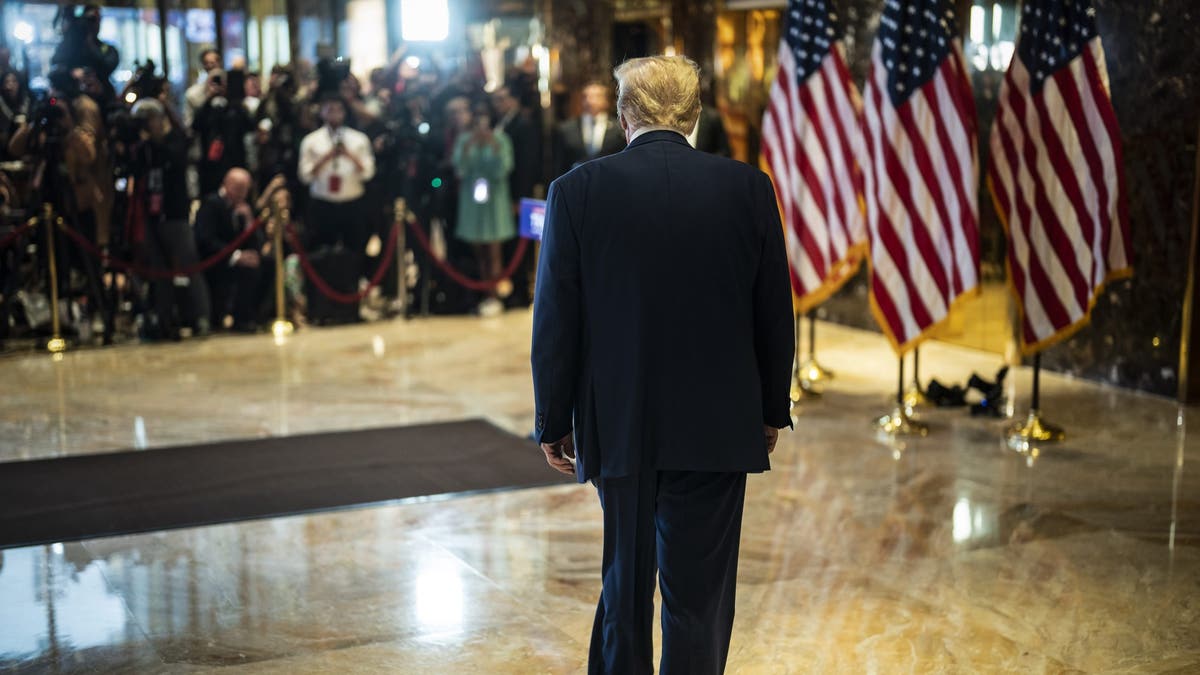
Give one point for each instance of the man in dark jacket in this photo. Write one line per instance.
(163, 207)
(220, 125)
(239, 285)
(662, 350)
(593, 134)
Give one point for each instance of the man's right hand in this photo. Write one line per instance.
(772, 437)
(249, 258)
(560, 453)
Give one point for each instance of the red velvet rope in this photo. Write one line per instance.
(16, 234)
(152, 273)
(332, 293)
(460, 278)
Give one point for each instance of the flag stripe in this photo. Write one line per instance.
(921, 189)
(895, 231)
(1056, 172)
(956, 142)
(812, 143)
(1032, 276)
(1093, 60)
(1049, 238)
(1087, 164)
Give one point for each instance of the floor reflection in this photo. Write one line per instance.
(950, 553)
(56, 602)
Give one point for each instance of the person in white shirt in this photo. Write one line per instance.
(336, 162)
(196, 95)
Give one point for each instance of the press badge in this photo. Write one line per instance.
(481, 191)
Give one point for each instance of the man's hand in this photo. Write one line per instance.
(245, 211)
(560, 453)
(772, 437)
(249, 258)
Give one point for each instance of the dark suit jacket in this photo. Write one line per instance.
(710, 133)
(217, 225)
(662, 327)
(527, 156)
(570, 150)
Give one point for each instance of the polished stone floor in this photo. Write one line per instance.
(949, 554)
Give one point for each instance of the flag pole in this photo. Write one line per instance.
(899, 422)
(801, 388)
(811, 373)
(914, 397)
(1024, 437)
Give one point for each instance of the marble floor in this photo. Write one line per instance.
(949, 554)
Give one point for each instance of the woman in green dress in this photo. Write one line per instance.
(483, 158)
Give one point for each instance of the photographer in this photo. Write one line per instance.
(336, 162)
(67, 137)
(277, 129)
(81, 48)
(14, 109)
(160, 193)
(195, 95)
(240, 285)
(220, 126)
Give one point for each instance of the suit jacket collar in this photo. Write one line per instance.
(659, 135)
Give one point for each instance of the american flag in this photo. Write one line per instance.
(1055, 172)
(813, 146)
(922, 178)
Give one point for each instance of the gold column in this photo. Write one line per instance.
(57, 345)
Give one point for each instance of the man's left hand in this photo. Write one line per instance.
(560, 453)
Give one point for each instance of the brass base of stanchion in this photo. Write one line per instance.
(802, 389)
(56, 345)
(1032, 431)
(915, 398)
(281, 329)
(814, 373)
(900, 423)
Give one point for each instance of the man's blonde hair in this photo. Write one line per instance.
(659, 91)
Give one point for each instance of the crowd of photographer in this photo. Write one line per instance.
(171, 201)
(162, 205)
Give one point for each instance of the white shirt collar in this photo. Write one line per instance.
(648, 129)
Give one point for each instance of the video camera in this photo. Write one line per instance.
(331, 73)
(145, 83)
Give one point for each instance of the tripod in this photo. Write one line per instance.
(54, 191)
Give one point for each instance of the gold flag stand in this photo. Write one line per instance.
(801, 388)
(1025, 436)
(914, 397)
(900, 421)
(810, 374)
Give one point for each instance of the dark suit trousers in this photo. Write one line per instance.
(686, 525)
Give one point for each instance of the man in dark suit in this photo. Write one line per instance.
(593, 134)
(709, 135)
(662, 351)
(241, 284)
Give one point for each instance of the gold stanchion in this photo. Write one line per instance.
(914, 397)
(811, 373)
(281, 328)
(57, 345)
(801, 388)
(399, 216)
(1025, 436)
(900, 422)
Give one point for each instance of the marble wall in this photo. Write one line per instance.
(1154, 69)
